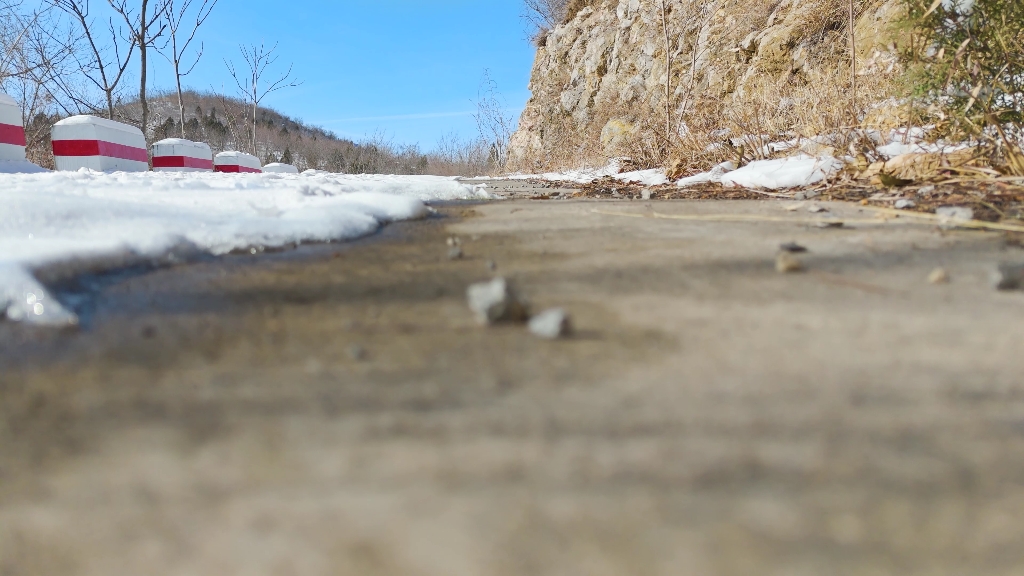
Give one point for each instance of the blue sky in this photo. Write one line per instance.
(408, 68)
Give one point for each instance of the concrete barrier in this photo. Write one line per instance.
(12, 131)
(278, 168)
(98, 144)
(177, 155)
(236, 162)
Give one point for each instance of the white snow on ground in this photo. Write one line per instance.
(653, 177)
(91, 221)
(714, 175)
(783, 173)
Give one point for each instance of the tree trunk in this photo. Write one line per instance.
(110, 104)
(181, 101)
(143, 64)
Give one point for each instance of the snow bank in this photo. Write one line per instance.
(279, 168)
(713, 175)
(653, 177)
(789, 172)
(89, 220)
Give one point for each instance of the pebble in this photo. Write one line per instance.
(1008, 277)
(495, 301)
(938, 276)
(792, 248)
(903, 204)
(646, 194)
(454, 241)
(815, 209)
(786, 263)
(356, 352)
(953, 214)
(551, 324)
(455, 253)
(492, 265)
(832, 224)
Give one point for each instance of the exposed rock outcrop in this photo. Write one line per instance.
(733, 66)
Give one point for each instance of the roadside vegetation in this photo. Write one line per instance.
(831, 75)
(965, 75)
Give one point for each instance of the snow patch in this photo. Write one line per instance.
(789, 172)
(653, 177)
(91, 220)
(713, 175)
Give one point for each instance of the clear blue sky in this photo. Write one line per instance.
(409, 68)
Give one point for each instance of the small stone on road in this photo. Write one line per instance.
(938, 276)
(551, 324)
(495, 301)
(1008, 277)
(786, 263)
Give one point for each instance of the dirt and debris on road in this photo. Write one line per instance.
(339, 410)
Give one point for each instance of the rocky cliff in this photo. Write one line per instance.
(602, 79)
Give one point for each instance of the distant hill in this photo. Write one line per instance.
(225, 123)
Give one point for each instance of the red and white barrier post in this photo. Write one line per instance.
(177, 155)
(279, 168)
(98, 144)
(12, 131)
(237, 162)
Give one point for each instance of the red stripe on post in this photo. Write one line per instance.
(99, 148)
(233, 169)
(181, 162)
(11, 134)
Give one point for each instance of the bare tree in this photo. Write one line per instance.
(13, 32)
(492, 120)
(250, 82)
(181, 39)
(145, 28)
(101, 69)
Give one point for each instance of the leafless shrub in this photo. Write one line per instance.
(493, 121)
(252, 85)
(545, 14)
(455, 156)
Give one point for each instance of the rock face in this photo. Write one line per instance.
(599, 80)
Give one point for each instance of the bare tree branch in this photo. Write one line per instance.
(175, 16)
(145, 28)
(104, 73)
(249, 81)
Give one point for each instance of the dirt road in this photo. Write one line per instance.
(335, 410)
